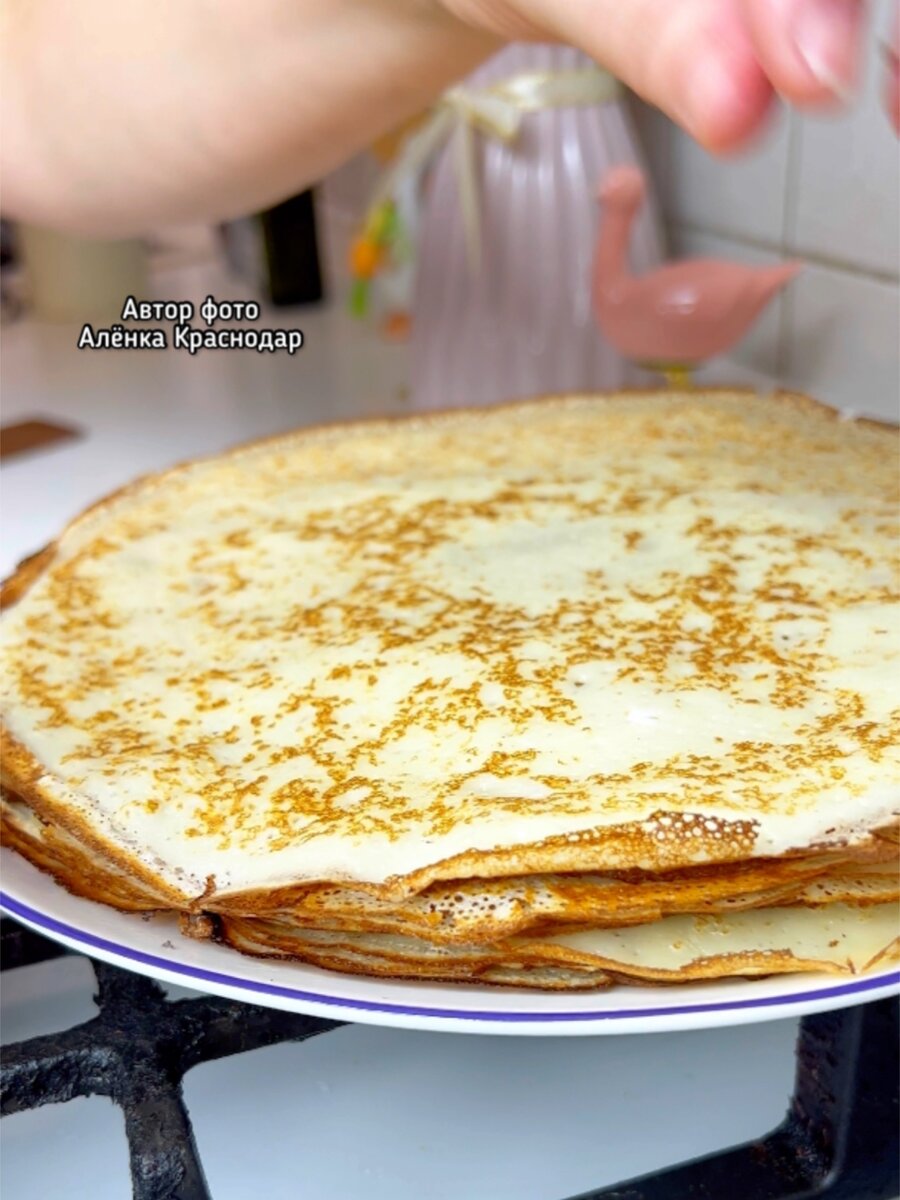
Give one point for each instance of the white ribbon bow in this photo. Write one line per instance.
(494, 111)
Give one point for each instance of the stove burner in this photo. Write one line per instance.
(839, 1140)
(136, 1051)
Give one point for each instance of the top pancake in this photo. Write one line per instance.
(595, 633)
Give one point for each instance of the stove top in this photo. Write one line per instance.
(141, 1047)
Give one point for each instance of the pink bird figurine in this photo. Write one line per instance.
(680, 314)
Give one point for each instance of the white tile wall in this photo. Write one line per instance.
(843, 339)
(824, 189)
(846, 209)
(742, 195)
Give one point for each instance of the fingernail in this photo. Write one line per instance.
(826, 36)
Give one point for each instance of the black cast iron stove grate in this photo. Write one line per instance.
(839, 1140)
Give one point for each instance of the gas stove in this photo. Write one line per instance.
(140, 1048)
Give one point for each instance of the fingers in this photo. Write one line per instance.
(809, 49)
(694, 59)
(712, 65)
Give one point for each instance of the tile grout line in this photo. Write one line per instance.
(788, 232)
(814, 259)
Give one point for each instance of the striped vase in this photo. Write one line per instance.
(520, 323)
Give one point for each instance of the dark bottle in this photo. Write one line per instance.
(292, 272)
(277, 252)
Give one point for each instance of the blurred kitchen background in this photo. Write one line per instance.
(827, 191)
(824, 189)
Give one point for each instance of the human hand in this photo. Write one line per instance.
(892, 80)
(218, 118)
(714, 66)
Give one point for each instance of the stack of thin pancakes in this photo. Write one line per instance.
(567, 693)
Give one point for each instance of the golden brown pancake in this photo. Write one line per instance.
(595, 661)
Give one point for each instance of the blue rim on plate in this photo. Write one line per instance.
(259, 989)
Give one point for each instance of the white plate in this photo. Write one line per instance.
(153, 946)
